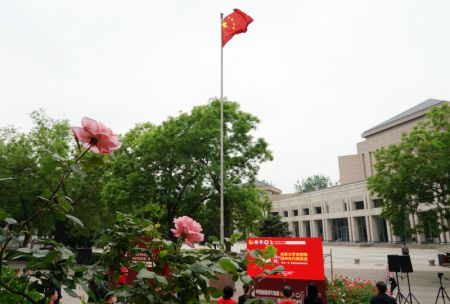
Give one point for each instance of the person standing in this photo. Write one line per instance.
(382, 297)
(312, 296)
(287, 295)
(246, 295)
(227, 296)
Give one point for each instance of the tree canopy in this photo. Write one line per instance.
(31, 161)
(313, 183)
(272, 226)
(416, 172)
(161, 172)
(176, 166)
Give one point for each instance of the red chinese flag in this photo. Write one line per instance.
(235, 23)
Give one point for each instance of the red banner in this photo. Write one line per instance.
(302, 259)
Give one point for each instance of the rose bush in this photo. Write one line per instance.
(347, 290)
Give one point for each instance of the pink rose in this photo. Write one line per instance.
(188, 230)
(96, 135)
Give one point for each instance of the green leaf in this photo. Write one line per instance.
(145, 274)
(213, 239)
(246, 279)
(229, 265)
(198, 268)
(270, 251)
(65, 204)
(6, 178)
(44, 199)
(77, 169)
(75, 220)
(10, 221)
(161, 279)
(277, 269)
(255, 253)
(58, 157)
(39, 255)
(25, 250)
(3, 214)
(215, 292)
(93, 162)
(71, 293)
(234, 238)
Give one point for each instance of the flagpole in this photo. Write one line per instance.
(222, 222)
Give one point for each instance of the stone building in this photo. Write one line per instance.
(349, 212)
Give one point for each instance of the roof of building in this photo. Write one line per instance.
(267, 186)
(414, 112)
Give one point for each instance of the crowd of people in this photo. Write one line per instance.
(312, 295)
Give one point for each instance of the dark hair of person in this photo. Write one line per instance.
(50, 292)
(381, 286)
(287, 291)
(246, 288)
(106, 277)
(313, 292)
(228, 292)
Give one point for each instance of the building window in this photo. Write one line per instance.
(318, 210)
(295, 212)
(285, 213)
(359, 205)
(345, 206)
(274, 213)
(377, 203)
(306, 211)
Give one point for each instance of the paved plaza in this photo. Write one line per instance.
(424, 280)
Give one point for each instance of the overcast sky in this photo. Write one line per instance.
(317, 73)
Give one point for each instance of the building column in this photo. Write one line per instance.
(355, 230)
(375, 234)
(389, 231)
(366, 202)
(313, 228)
(325, 230)
(290, 227)
(329, 225)
(369, 228)
(350, 229)
(304, 229)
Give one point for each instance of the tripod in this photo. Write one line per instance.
(400, 298)
(410, 294)
(441, 291)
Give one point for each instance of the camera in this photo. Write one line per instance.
(440, 275)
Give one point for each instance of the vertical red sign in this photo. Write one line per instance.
(302, 259)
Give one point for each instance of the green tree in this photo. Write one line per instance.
(32, 160)
(176, 165)
(272, 226)
(416, 172)
(29, 159)
(313, 183)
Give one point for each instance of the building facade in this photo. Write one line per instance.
(349, 212)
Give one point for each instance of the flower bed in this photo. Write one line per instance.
(347, 290)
